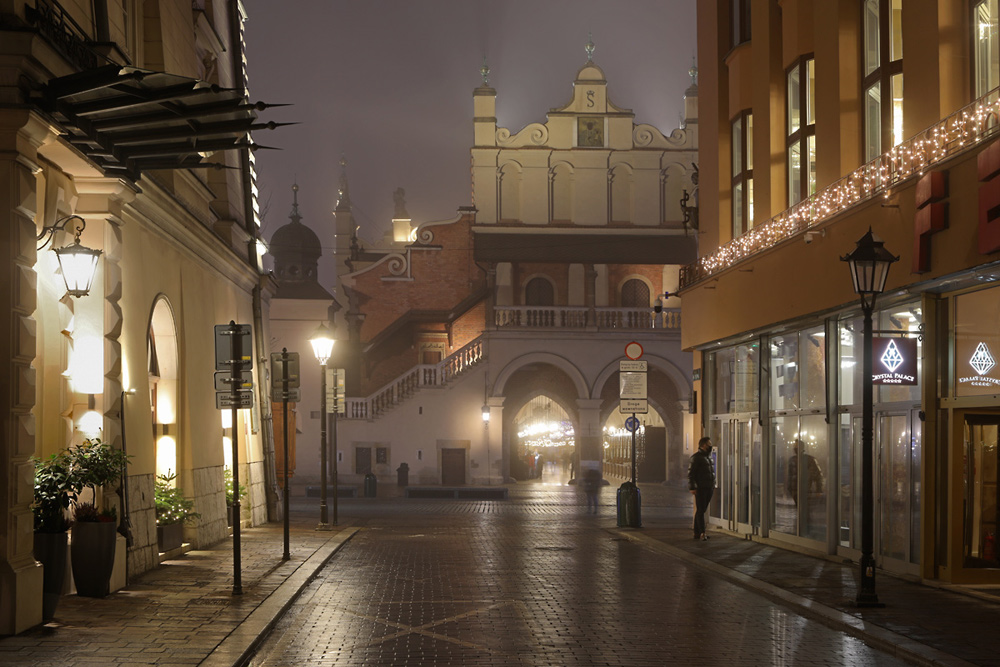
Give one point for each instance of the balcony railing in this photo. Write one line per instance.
(423, 375)
(962, 130)
(580, 317)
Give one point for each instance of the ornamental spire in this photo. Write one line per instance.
(295, 217)
(344, 200)
(485, 72)
(589, 48)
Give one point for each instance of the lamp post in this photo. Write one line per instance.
(869, 269)
(322, 344)
(77, 262)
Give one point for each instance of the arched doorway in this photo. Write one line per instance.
(545, 444)
(162, 363)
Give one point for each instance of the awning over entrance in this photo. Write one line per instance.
(128, 120)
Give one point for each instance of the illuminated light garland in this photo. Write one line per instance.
(957, 133)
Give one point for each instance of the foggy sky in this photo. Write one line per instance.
(388, 84)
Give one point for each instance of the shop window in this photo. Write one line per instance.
(883, 81)
(981, 497)
(977, 344)
(801, 130)
(785, 372)
(986, 42)
(736, 383)
(742, 169)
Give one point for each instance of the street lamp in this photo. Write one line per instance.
(486, 427)
(77, 263)
(322, 344)
(869, 269)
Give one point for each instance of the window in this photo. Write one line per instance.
(742, 173)
(381, 455)
(740, 25)
(801, 130)
(987, 50)
(635, 294)
(539, 292)
(883, 82)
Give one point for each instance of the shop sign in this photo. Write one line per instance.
(894, 361)
(981, 362)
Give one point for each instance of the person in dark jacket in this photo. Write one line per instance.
(701, 481)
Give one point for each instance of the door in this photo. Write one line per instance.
(452, 467)
(739, 474)
(362, 460)
(981, 492)
(897, 484)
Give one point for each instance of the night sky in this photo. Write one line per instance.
(388, 84)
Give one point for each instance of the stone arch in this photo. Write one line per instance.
(621, 185)
(675, 179)
(561, 363)
(561, 192)
(509, 184)
(162, 366)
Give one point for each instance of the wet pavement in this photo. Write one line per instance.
(533, 580)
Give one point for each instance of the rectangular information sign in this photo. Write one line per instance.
(225, 399)
(278, 369)
(293, 395)
(632, 366)
(224, 380)
(227, 339)
(636, 406)
(631, 385)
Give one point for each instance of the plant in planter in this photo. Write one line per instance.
(172, 510)
(227, 476)
(56, 487)
(96, 464)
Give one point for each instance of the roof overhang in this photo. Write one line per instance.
(127, 120)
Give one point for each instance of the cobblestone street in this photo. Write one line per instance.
(533, 581)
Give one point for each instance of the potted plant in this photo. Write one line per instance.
(96, 464)
(56, 488)
(227, 476)
(172, 510)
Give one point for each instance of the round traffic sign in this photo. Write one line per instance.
(633, 350)
(632, 424)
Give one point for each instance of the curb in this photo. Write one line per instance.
(894, 644)
(239, 646)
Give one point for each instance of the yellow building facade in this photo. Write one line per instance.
(107, 111)
(820, 121)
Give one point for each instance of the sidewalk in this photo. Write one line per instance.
(184, 613)
(922, 624)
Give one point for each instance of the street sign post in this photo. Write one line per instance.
(234, 355)
(285, 368)
(633, 399)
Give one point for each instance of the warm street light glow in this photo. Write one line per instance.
(77, 263)
(486, 414)
(322, 344)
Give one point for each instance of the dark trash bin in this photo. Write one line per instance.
(371, 483)
(629, 506)
(403, 474)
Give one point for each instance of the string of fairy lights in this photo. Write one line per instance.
(959, 132)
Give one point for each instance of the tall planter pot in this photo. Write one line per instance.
(93, 557)
(170, 536)
(50, 551)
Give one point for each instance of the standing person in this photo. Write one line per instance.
(701, 481)
(591, 484)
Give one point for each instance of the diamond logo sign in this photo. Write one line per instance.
(891, 358)
(982, 360)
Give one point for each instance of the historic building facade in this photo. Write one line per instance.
(105, 118)
(522, 304)
(826, 120)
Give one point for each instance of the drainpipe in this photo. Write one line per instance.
(266, 418)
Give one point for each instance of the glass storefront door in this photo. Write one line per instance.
(897, 486)
(739, 480)
(981, 491)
